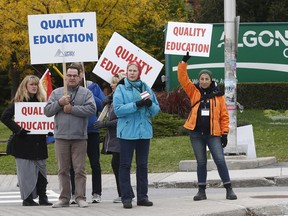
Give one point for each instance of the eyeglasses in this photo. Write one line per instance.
(70, 76)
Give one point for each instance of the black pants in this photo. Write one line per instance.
(115, 163)
(41, 186)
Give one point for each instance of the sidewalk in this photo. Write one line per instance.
(273, 202)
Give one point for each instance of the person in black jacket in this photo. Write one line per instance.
(30, 151)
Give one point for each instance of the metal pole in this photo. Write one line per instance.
(230, 73)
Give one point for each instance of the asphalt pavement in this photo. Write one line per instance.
(261, 191)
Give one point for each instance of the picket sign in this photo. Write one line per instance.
(30, 116)
(194, 38)
(118, 52)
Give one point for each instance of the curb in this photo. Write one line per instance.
(236, 183)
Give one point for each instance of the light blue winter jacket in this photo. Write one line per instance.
(133, 122)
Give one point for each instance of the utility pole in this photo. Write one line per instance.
(230, 50)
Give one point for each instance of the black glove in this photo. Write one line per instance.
(148, 102)
(99, 124)
(23, 132)
(224, 140)
(107, 100)
(50, 134)
(186, 57)
(140, 103)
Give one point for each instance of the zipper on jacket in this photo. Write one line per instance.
(212, 116)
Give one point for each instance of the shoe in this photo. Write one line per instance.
(117, 200)
(60, 204)
(82, 204)
(96, 198)
(43, 201)
(201, 195)
(29, 203)
(127, 205)
(230, 195)
(145, 202)
(73, 201)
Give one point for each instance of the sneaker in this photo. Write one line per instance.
(82, 204)
(60, 204)
(117, 200)
(96, 198)
(73, 201)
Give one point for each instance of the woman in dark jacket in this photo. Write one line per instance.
(30, 151)
(111, 143)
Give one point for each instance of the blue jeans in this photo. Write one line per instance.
(199, 143)
(127, 147)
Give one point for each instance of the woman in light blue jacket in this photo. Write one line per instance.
(134, 104)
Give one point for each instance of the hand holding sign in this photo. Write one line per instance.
(186, 57)
(23, 132)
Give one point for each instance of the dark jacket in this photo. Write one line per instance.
(111, 142)
(98, 97)
(31, 147)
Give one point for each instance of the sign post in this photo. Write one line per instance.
(230, 73)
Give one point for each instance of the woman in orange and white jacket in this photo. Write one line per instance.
(208, 125)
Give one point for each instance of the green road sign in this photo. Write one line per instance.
(262, 55)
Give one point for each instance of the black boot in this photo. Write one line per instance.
(230, 195)
(29, 201)
(201, 195)
(41, 190)
(43, 200)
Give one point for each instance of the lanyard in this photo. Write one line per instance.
(73, 98)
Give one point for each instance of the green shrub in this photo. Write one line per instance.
(167, 125)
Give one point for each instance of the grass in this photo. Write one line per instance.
(270, 134)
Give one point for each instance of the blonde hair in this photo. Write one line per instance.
(22, 93)
(117, 77)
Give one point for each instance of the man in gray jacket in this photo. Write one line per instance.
(71, 112)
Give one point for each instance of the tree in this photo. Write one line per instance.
(140, 21)
(149, 32)
(212, 11)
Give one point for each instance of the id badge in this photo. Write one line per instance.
(204, 112)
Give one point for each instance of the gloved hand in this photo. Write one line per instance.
(23, 132)
(107, 100)
(140, 103)
(50, 138)
(224, 140)
(50, 134)
(186, 57)
(148, 102)
(99, 124)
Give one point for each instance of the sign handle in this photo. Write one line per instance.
(64, 79)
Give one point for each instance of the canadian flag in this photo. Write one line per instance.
(46, 84)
